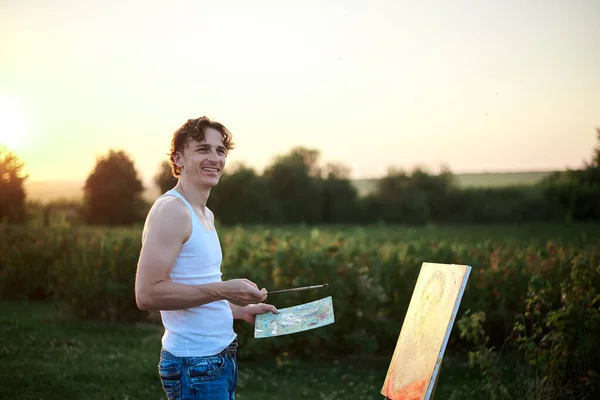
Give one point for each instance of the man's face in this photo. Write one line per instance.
(203, 162)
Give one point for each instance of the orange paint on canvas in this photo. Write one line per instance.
(414, 391)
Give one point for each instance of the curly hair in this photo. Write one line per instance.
(196, 129)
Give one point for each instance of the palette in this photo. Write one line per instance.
(299, 318)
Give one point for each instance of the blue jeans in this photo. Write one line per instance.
(191, 378)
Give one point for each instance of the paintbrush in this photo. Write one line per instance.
(298, 289)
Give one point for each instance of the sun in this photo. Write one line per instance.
(13, 124)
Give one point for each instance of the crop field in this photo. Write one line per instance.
(531, 309)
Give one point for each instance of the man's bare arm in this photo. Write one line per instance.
(167, 228)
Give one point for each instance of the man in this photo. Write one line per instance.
(179, 272)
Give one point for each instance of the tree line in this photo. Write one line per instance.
(298, 188)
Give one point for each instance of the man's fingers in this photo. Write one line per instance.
(251, 283)
(247, 292)
(264, 294)
(271, 308)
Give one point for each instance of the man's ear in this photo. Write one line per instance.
(177, 158)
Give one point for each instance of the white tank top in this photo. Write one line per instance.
(204, 330)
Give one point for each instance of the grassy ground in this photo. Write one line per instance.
(47, 355)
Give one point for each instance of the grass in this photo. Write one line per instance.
(48, 355)
(501, 179)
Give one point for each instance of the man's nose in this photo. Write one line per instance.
(213, 156)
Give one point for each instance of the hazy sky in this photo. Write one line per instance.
(477, 85)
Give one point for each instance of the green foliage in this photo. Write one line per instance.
(533, 292)
(339, 200)
(577, 191)
(594, 164)
(57, 213)
(500, 205)
(26, 258)
(164, 178)
(113, 192)
(471, 327)
(295, 184)
(88, 271)
(242, 196)
(556, 337)
(415, 198)
(371, 273)
(297, 188)
(95, 281)
(12, 198)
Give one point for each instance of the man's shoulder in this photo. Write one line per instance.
(167, 216)
(170, 208)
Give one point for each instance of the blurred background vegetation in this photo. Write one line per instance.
(529, 322)
(298, 187)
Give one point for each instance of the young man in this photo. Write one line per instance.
(179, 272)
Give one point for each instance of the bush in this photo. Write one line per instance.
(556, 338)
(519, 276)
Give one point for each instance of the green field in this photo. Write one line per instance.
(47, 355)
(473, 180)
(529, 322)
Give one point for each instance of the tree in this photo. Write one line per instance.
(12, 192)
(593, 167)
(164, 178)
(113, 192)
(336, 171)
(595, 162)
(441, 191)
(577, 191)
(399, 200)
(418, 197)
(309, 158)
(242, 197)
(340, 198)
(294, 181)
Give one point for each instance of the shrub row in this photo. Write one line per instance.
(371, 275)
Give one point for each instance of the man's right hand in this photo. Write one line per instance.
(242, 292)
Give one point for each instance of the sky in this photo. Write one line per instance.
(473, 85)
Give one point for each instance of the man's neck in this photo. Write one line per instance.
(196, 196)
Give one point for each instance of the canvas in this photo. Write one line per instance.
(415, 364)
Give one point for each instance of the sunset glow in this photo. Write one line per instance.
(477, 86)
(13, 124)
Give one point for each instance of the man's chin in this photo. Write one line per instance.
(210, 182)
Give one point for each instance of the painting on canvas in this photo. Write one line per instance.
(414, 367)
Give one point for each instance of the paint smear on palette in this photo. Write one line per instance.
(295, 319)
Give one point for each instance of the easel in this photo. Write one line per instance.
(415, 365)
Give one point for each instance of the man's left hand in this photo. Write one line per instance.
(251, 310)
